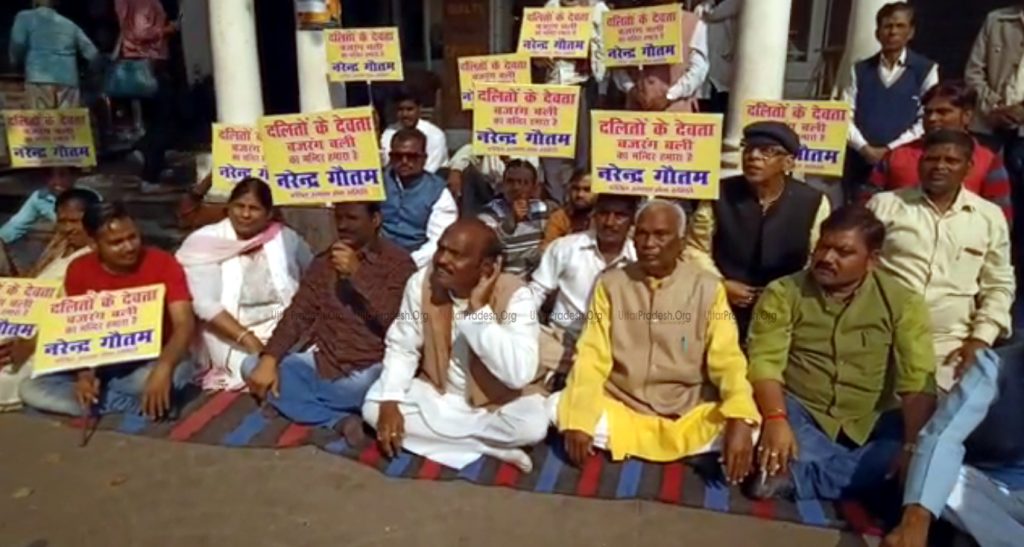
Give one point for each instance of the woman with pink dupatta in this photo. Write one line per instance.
(243, 273)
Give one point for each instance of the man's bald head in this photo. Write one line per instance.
(467, 250)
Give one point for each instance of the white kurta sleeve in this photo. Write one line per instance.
(623, 80)
(917, 130)
(443, 215)
(690, 83)
(509, 350)
(403, 343)
(856, 139)
(204, 282)
(544, 279)
(437, 151)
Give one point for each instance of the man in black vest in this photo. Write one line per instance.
(885, 92)
(764, 224)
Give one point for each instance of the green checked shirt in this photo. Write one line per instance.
(844, 361)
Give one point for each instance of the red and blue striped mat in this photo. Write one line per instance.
(234, 419)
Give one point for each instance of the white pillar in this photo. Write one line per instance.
(236, 62)
(860, 39)
(314, 89)
(760, 67)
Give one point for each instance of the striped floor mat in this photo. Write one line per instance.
(233, 419)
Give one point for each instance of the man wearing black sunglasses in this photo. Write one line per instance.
(418, 206)
(749, 237)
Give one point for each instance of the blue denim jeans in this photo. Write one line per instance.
(121, 388)
(828, 470)
(307, 399)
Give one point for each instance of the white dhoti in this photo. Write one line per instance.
(985, 509)
(444, 428)
(10, 383)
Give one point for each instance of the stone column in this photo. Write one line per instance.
(860, 39)
(314, 88)
(314, 223)
(236, 63)
(760, 66)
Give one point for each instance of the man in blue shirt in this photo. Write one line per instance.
(48, 45)
(968, 465)
(38, 206)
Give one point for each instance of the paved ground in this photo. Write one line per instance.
(123, 491)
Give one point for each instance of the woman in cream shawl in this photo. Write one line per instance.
(243, 272)
(69, 242)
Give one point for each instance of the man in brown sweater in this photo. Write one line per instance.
(343, 308)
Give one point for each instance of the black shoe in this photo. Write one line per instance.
(777, 487)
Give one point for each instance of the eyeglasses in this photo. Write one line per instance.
(769, 151)
(406, 156)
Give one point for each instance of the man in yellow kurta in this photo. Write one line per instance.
(659, 374)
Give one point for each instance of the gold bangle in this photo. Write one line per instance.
(910, 448)
(242, 336)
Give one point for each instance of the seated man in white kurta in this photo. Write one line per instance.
(461, 377)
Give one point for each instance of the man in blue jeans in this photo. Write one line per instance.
(969, 464)
(119, 262)
(342, 310)
(843, 366)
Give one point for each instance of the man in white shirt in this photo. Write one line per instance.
(590, 74)
(953, 247)
(571, 266)
(460, 377)
(409, 109)
(885, 93)
(669, 87)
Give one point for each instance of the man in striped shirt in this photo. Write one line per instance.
(519, 218)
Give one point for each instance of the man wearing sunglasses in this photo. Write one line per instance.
(418, 206)
(749, 236)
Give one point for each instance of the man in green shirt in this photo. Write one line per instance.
(834, 350)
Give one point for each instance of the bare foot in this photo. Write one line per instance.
(913, 529)
(351, 427)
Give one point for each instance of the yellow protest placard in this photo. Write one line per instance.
(50, 138)
(324, 157)
(20, 301)
(823, 127)
(100, 329)
(556, 33)
(364, 55)
(643, 36)
(525, 120)
(237, 155)
(491, 69)
(673, 155)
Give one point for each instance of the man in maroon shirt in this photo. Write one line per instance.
(342, 310)
(122, 262)
(949, 105)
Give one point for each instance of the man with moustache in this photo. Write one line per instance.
(121, 261)
(953, 247)
(345, 304)
(460, 377)
(949, 105)
(885, 93)
(765, 223)
(659, 374)
(571, 266)
(417, 206)
(831, 348)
